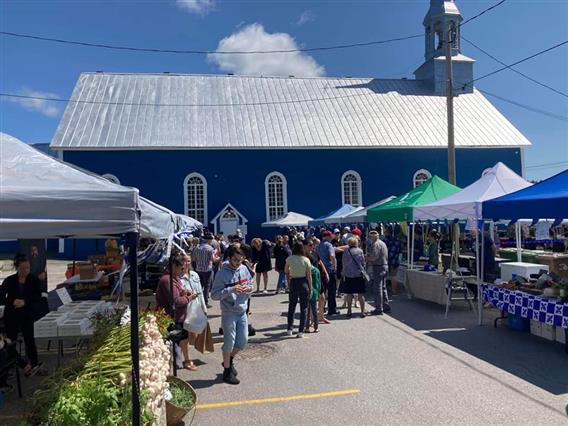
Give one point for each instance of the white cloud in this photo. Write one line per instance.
(201, 7)
(305, 17)
(47, 108)
(254, 37)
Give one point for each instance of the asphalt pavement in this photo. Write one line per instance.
(411, 367)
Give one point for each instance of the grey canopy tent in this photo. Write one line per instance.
(41, 197)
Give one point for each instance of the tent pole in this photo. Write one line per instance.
(132, 238)
(173, 309)
(408, 247)
(74, 254)
(412, 249)
(482, 262)
(518, 238)
(478, 272)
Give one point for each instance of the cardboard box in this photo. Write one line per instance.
(548, 332)
(561, 335)
(536, 328)
(87, 271)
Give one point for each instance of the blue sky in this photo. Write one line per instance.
(510, 32)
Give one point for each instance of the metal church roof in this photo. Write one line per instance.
(171, 111)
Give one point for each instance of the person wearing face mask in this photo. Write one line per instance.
(20, 293)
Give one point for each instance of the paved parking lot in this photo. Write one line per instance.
(412, 367)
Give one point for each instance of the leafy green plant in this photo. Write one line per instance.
(181, 396)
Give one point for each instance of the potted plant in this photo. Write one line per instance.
(182, 402)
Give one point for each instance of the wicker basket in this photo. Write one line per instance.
(175, 414)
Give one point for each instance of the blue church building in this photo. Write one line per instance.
(236, 151)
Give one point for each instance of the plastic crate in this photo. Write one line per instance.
(518, 323)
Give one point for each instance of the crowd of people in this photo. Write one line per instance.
(314, 270)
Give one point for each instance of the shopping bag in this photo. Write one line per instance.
(204, 341)
(195, 318)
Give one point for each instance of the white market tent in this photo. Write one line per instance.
(291, 219)
(42, 197)
(467, 203)
(335, 216)
(360, 216)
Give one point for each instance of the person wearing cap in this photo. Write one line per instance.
(346, 235)
(377, 259)
(326, 252)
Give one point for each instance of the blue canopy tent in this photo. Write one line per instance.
(544, 200)
(335, 216)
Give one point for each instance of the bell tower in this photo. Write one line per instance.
(442, 21)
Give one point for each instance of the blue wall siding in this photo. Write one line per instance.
(313, 176)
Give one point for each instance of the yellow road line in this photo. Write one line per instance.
(278, 399)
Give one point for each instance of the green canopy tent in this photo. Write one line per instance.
(401, 208)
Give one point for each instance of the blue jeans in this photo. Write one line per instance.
(235, 331)
(281, 285)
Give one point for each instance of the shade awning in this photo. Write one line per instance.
(546, 199)
(401, 208)
(290, 219)
(360, 216)
(42, 197)
(335, 216)
(467, 203)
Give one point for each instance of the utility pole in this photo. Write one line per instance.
(450, 107)
(451, 142)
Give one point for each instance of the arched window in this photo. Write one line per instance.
(420, 177)
(111, 178)
(195, 194)
(276, 194)
(351, 188)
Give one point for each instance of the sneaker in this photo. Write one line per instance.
(386, 308)
(229, 377)
(265, 292)
(299, 335)
(289, 332)
(376, 312)
(251, 330)
(232, 367)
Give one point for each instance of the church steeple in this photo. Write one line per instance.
(441, 14)
(444, 15)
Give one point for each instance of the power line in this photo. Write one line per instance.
(483, 12)
(516, 63)
(514, 70)
(527, 107)
(538, 166)
(293, 101)
(205, 52)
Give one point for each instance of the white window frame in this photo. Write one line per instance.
(359, 188)
(111, 178)
(418, 172)
(185, 198)
(284, 194)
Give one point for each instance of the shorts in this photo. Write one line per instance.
(235, 331)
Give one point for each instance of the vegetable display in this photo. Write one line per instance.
(95, 388)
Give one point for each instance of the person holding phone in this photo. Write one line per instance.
(181, 297)
(233, 286)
